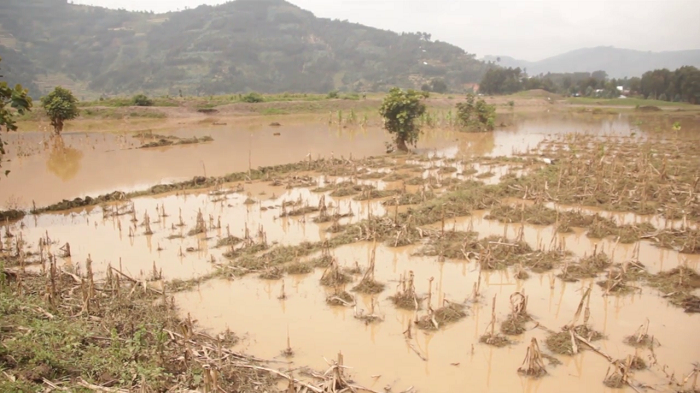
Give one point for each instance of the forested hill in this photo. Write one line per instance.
(243, 45)
(616, 62)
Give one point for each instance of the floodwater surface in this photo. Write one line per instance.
(266, 313)
(46, 170)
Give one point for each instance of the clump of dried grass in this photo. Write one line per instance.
(299, 268)
(368, 284)
(566, 341)
(533, 364)
(333, 276)
(515, 323)
(273, 273)
(340, 298)
(677, 285)
(449, 244)
(406, 296)
(490, 337)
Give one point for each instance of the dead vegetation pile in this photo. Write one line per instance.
(459, 202)
(410, 198)
(450, 312)
(118, 334)
(490, 337)
(162, 140)
(496, 252)
(340, 298)
(678, 285)
(11, 215)
(567, 341)
(449, 244)
(368, 284)
(657, 175)
(587, 267)
(684, 240)
(515, 323)
(333, 276)
(406, 296)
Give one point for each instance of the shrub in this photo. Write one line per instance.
(252, 98)
(141, 100)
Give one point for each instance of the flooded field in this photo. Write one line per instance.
(457, 266)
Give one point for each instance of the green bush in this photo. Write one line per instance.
(141, 100)
(252, 98)
(476, 115)
(333, 94)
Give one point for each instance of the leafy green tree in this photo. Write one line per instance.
(60, 105)
(476, 115)
(11, 98)
(333, 94)
(400, 111)
(141, 100)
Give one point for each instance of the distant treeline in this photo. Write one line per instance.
(682, 84)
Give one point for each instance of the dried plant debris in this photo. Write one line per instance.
(449, 313)
(562, 343)
(449, 244)
(273, 273)
(299, 268)
(496, 252)
(587, 267)
(340, 298)
(515, 323)
(678, 285)
(533, 364)
(228, 241)
(622, 174)
(405, 296)
(490, 337)
(333, 276)
(685, 241)
(409, 198)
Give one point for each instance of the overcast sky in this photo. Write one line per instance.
(524, 29)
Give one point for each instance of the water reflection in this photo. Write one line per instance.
(63, 161)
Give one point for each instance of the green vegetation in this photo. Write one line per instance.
(681, 85)
(476, 115)
(11, 100)
(621, 102)
(252, 97)
(240, 46)
(400, 111)
(142, 100)
(60, 105)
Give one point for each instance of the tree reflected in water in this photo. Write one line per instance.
(63, 161)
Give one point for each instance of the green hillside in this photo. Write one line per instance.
(245, 45)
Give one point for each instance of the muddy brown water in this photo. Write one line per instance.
(96, 162)
(448, 360)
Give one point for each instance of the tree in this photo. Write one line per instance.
(60, 105)
(11, 98)
(400, 109)
(476, 115)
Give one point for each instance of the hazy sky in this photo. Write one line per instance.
(525, 29)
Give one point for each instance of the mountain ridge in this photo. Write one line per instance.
(268, 46)
(616, 62)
